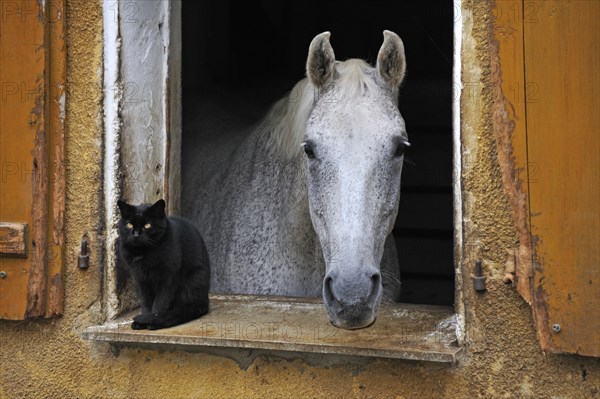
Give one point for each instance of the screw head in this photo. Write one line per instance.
(3, 274)
(556, 327)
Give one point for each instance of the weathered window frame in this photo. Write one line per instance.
(122, 175)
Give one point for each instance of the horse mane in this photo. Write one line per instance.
(286, 121)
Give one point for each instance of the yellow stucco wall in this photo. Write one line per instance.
(48, 359)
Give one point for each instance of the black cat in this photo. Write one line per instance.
(169, 264)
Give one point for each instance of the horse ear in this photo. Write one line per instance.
(391, 62)
(321, 60)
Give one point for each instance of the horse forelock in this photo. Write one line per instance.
(354, 78)
(286, 122)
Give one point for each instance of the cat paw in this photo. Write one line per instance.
(144, 318)
(138, 326)
(154, 327)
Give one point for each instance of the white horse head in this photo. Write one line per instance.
(354, 143)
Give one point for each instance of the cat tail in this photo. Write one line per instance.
(180, 315)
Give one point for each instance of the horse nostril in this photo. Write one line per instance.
(375, 284)
(376, 278)
(328, 289)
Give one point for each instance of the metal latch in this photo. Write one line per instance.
(83, 261)
(478, 278)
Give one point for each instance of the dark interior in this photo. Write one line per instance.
(245, 55)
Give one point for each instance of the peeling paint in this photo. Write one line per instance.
(142, 66)
(61, 104)
(42, 9)
(457, 172)
(504, 128)
(113, 95)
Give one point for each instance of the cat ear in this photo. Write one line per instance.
(158, 209)
(125, 208)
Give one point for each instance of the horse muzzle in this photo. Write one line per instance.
(352, 300)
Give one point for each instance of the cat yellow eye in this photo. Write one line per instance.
(147, 225)
(129, 226)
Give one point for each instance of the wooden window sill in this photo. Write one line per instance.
(402, 331)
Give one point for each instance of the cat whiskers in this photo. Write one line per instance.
(151, 241)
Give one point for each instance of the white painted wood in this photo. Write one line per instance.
(457, 172)
(142, 115)
(143, 26)
(173, 107)
(112, 132)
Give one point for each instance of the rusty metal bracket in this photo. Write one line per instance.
(83, 261)
(478, 278)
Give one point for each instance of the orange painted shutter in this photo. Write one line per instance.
(550, 57)
(32, 180)
(562, 60)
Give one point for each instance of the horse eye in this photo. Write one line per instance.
(129, 226)
(147, 225)
(401, 148)
(308, 150)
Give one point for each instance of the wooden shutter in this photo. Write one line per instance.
(32, 180)
(550, 57)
